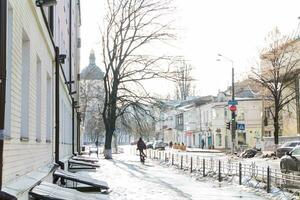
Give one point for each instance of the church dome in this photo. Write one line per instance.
(92, 71)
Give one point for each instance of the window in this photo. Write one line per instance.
(8, 72)
(25, 87)
(38, 99)
(58, 33)
(48, 112)
(179, 121)
(296, 152)
(214, 114)
(219, 139)
(267, 134)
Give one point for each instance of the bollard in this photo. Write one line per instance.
(219, 170)
(191, 164)
(172, 159)
(268, 180)
(181, 162)
(203, 167)
(240, 173)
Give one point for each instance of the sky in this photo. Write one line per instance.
(206, 28)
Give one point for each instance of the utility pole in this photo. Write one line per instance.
(232, 108)
(233, 121)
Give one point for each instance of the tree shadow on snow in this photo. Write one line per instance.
(142, 174)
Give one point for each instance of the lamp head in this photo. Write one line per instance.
(45, 3)
(62, 58)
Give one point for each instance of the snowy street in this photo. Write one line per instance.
(129, 179)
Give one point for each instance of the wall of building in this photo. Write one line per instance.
(62, 36)
(24, 155)
(29, 118)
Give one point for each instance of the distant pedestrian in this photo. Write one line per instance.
(202, 143)
(171, 144)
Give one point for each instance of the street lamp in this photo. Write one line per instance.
(45, 3)
(233, 121)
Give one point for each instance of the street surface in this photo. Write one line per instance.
(131, 180)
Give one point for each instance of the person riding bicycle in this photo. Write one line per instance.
(141, 146)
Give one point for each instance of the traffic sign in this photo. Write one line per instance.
(241, 127)
(232, 102)
(232, 108)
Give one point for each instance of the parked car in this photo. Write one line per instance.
(133, 143)
(149, 145)
(291, 161)
(286, 147)
(159, 145)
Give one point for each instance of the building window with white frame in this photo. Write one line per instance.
(38, 99)
(7, 122)
(49, 110)
(25, 87)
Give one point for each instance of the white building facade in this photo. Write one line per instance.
(30, 91)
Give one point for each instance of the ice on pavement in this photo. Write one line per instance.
(131, 180)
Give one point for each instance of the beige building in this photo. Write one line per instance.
(289, 117)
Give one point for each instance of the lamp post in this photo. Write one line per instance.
(233, 120)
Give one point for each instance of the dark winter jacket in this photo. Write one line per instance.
(141, 145)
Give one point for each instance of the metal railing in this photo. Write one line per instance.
(228, 170)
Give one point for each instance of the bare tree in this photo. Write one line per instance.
(91, 104)
(278, 75)
(183, 80)
(131, 27)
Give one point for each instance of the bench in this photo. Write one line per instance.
(76, 164)
(50, 191)
(85, 159)
(93, 184)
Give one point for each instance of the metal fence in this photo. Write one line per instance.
(228, 170)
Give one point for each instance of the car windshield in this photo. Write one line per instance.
(291, 144)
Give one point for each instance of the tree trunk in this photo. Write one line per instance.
(276, 131)
(107, 147)
(116, 143)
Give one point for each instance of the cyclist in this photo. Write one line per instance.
(141, 146)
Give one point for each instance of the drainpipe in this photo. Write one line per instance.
(57, 105)
(78, 132)
(3, 29)
(57, 65)
(70, 74)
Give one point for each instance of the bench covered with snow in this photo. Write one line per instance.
(49, 191)
(101, 185)
(85, 159)
(77, 164)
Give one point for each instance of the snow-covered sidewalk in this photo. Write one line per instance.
(131, 180)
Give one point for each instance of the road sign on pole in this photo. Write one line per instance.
(232, 108)
(241, 127)
(232, 102)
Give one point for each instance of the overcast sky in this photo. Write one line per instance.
(234, 28)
